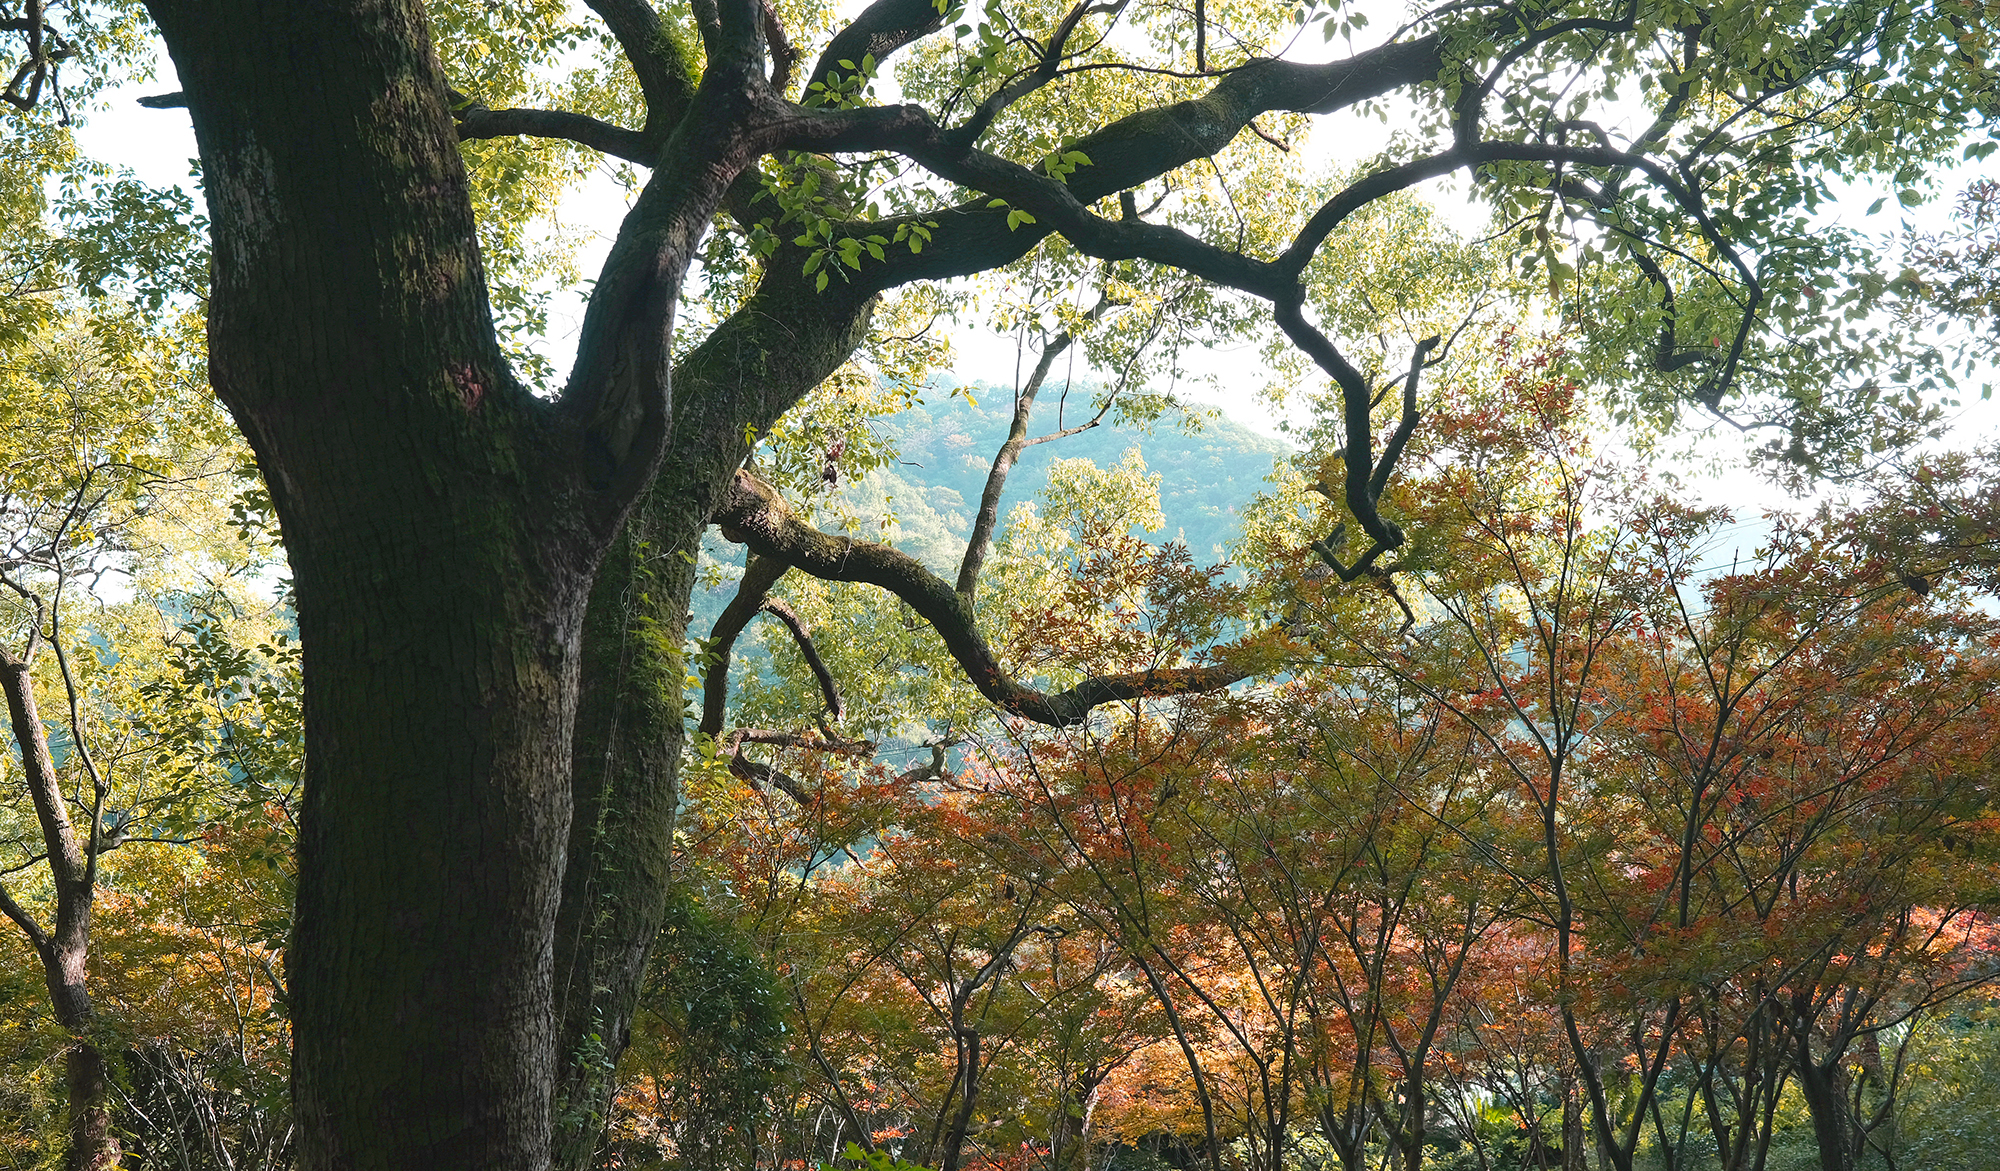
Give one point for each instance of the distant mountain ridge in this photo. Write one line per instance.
(946, 447)
(1206, 477)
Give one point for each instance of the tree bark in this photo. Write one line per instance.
(1824, 1087)
(63, 948)
(93, 1145)
(741, 379)
(444, 527)
(630, 730)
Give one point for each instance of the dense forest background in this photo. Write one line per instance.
(1046, 949)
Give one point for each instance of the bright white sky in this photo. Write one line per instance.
(157, 145)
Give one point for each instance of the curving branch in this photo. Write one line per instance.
(616, 406)
(1047, 64)
(1398, 439)
(784, 58)
(882, 28)
(759, 575)
(753, 597)
(752, 513)
(47, 50)
(760, 774)
(839, 747)
(1136, 149)
(776, 607)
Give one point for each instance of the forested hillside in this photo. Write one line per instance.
(1209, 466)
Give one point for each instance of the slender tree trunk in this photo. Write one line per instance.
(63, 947)
(969, 1060)
(93, 1145)
(1824, 1087)
(1572, 1123)
(630, 731)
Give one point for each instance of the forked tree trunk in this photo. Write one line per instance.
(63, 947)
(444, 527)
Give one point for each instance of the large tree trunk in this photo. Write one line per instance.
(443, 527)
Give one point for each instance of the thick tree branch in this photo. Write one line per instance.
(784, 58)
(761, 774)
(753, 596)
(740, 40)
(476, 121)
(649, 48)
(752, 513)
(63, 946)
(1131, 151)
(776, 739)
(618, 396)
(882, 28)
(46, 51)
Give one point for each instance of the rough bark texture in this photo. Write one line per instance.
(472, 929)
(444, 528)
(626, 757)
(756, 366)
(1824, 1085)
(93, 1145)
(630, 728)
